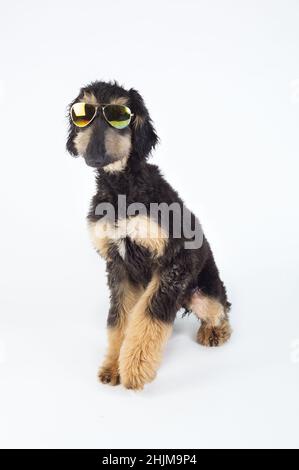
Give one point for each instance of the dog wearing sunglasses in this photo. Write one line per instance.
(154, 269)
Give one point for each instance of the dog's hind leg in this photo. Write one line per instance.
(215, 329)
(123, 298)
(210, 305)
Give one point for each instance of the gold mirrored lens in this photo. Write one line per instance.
(118, 116)
(82, 114)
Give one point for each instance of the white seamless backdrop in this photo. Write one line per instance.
(221, 80)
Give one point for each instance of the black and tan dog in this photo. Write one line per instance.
(151, 271)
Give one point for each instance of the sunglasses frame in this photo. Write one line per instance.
(102, 107)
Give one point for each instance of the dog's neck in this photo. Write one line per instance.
(124, 181)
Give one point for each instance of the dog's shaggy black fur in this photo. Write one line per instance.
(186, 278)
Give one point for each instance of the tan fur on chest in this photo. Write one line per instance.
(140, 229)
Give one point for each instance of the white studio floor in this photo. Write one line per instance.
(244, 394)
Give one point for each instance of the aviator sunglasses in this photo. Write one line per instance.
(117, 115)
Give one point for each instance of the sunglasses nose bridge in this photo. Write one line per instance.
(99, 113)
(99, 120)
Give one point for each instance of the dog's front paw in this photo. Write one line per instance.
(214, 336)
(135, 372)
(109, 374)
(135, 380)
(132, 382)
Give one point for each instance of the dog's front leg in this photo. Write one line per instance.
(145, 338)
(123, 298)
(109, 373)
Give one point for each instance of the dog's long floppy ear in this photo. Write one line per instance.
(72, 131)
(144, 136)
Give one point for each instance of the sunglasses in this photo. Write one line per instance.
(117, 115)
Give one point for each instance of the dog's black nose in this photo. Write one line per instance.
(95, 154)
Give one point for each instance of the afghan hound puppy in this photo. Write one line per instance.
(158, 259)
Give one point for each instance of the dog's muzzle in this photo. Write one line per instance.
(96, 155)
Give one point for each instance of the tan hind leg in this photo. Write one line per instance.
(215, 328)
